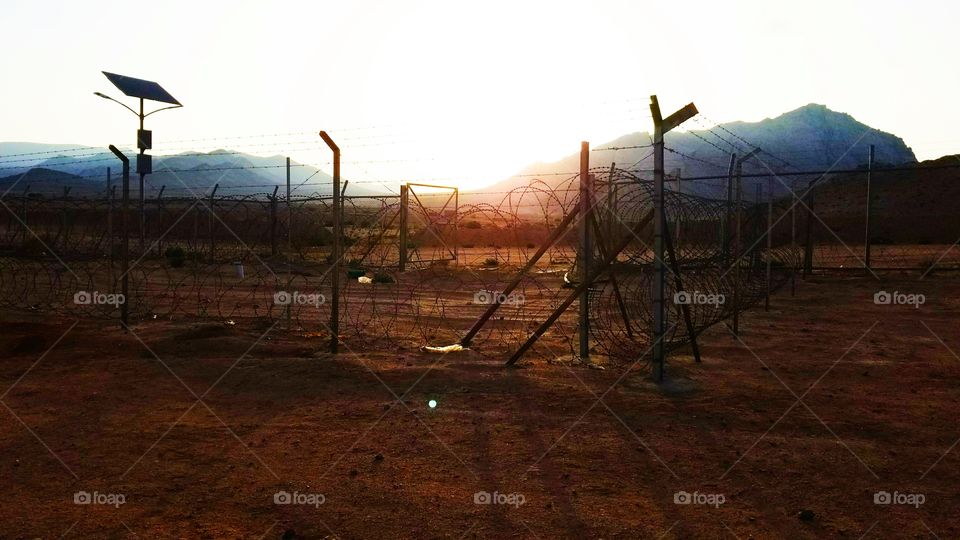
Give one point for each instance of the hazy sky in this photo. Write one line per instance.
(472, 91)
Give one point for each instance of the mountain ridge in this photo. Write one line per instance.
(809, 138)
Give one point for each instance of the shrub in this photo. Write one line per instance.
(383, 277)
(175, 256)
(491, 262)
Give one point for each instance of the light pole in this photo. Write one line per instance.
(141, 89)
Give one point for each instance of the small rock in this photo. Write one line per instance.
(806, 515)
(378, 457)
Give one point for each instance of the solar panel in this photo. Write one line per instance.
(140, 88)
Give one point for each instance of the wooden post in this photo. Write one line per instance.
(586, 248)
(602, 248)
(868, 232)
(684, 308)
(404, 200)
(557, 234)
(597, 270)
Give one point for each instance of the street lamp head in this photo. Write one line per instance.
(101, 94)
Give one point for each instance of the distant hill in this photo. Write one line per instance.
(811, 137)
(52, 166)
(52, 181)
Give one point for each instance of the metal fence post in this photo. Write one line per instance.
(404, 199)
(586, 248)
(210, 226)
(335, 256)
(868, 233)
(125, 232)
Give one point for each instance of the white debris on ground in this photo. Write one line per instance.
(456, 347)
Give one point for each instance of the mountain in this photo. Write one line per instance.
(53, 182)
(49, 168)
(809, 138)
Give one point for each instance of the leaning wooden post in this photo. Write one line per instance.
(560, 230)
(597, 270)
(684, 308)
(586, 248)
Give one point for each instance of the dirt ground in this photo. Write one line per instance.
(822, 405)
